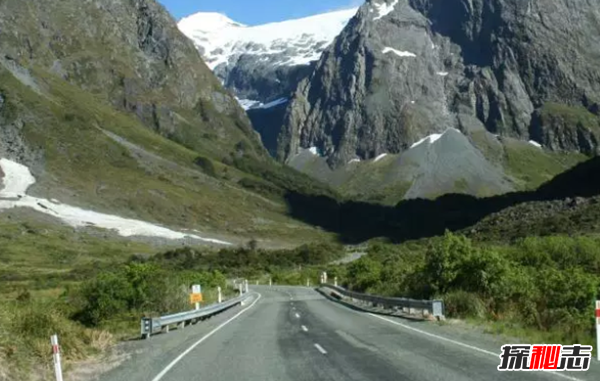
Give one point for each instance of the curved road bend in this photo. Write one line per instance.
(295, 334)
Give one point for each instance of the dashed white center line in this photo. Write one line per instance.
(320, 349)
(304, 328)
(298, 316)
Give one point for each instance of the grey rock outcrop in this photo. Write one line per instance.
(392, 78)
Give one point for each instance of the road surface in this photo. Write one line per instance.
(295, 334)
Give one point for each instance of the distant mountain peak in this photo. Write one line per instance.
(298, 41)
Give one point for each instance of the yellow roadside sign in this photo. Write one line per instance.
(195, 298)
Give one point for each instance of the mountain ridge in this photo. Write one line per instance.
(438, 76)
(112, 109)
(263, 62)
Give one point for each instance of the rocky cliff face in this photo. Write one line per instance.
(129, 52)
(404, 69)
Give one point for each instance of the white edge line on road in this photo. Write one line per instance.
(320, 349)
(496, 355)
(191, 348)
(304, 328)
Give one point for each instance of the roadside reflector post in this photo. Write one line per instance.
(598, 328)
(56, 357)
(241, 289)
(219, 295)
(270, 282)
(246, 285)
(335, 281)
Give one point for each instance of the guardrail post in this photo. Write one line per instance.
(219, 295)
(146, 328)
(437, 309)
(246, 285)
(240, 289)
(56, 357)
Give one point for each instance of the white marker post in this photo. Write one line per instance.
(241, 288)
(335, 281)
(56, 356)
(219, 295)
(598, 328)
(270, 282)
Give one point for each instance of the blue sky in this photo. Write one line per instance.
(253, 12)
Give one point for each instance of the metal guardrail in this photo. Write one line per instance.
(433, 308)
(150, 326)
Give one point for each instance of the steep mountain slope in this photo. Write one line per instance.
(403, 70)
(407, 68)
(112, 109)
(265, 62)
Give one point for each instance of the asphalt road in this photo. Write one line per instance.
(287, 333)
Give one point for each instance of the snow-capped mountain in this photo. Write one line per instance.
(265, 62)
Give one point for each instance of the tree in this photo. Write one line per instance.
(443, 260)
(364, 273)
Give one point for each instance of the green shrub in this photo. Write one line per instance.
(207, 166)
(462, 304)
(444, 258)
(107, 295)
(364, 274)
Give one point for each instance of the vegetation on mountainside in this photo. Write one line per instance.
(572, 117)
(546, 286)
(532, 167)
(125, 168)
(91, 295)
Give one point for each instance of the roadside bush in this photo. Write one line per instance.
(546, 283)
(107, 295)
(25, 330)
(364, 274)
(461, 304)
(142, 288)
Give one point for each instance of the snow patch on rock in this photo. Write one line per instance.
(247, 104)
(384, 9)
(399, 53)
(535, 144)
(18, 179)
(274, 103)
(432, 138)
(380, 157)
